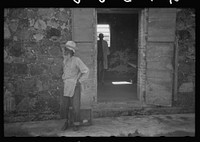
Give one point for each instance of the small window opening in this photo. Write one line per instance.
(105, 30)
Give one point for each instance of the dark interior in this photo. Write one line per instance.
(123, 50)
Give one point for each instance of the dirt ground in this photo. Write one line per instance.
(174, 125)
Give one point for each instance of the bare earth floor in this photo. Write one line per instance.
(116, 93)
(147, 126)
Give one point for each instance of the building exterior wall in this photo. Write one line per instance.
(33, 63)
(33, 60)
(185, 42)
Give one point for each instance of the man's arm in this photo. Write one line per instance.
(84, 70)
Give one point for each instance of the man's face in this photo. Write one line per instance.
(100, 36)
(66, 54)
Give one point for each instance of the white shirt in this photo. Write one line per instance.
(71, 69)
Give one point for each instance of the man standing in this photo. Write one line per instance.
(74, 73)
(103, 52)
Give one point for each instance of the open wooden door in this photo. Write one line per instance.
(160, 56)
(84, 34)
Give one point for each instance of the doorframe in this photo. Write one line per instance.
(142, 45)
(142, 37)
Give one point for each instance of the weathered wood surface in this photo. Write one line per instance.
(160, 55)
(161, 24)
(159, 94)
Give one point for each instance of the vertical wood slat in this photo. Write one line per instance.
(161, 24)
(161, 36)
(142, 33)
(176, 71)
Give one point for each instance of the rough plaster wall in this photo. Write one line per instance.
(33, 59)
(185, 34)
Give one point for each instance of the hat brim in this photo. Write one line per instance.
(64, 45)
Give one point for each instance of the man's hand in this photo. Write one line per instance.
(78, 82)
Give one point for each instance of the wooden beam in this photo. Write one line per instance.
(118, 10)
(175, 93)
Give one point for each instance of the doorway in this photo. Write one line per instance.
(121, 33)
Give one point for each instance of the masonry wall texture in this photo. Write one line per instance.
(185, 34)
(33, 60)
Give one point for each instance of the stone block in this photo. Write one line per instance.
(18, 84)
(26, 35)
(191, 78)
(35, 69)
(56, 84)
(21, 69)
(10, 87)
(8, 69)
(16, 50)
(45, 81)
(52, 23)
(66, 35)
(7, 33)
(8, 59)
(56, 69)
(63, 16)
(17, 59)
(31, 45)
(186, 87)
(23, 23)
(46, 68)
(23, 105)
(31, 14)
(58, 61)
(56, 93)
(45, 60)
(30, 57)
(56, 77)
(40, 25)
(6, 11)
(42, 101)
(46, 42)
(29, 85)
(14, 13)
(7, 42)
(185, 68)
(39, 85)
(13, 25)
(55, 51)
(9, 102)
(43, 50)
(46, 13)
(38, 37)
(53, 32)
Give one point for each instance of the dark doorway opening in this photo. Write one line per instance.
(123, 57)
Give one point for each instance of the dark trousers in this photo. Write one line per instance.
(71, 106)
(100, 71)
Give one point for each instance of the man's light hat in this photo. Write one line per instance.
(71, 45)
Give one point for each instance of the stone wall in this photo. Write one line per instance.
(33, 59)
(185, 35)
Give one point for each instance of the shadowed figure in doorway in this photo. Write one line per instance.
(102, 58)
